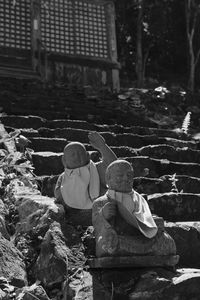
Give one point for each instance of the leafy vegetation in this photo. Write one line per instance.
(158, 40)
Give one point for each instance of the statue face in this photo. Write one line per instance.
(121, 178)
(75, 156)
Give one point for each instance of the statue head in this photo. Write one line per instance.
(75, 156)
(119, 176)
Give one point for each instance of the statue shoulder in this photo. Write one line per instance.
(100, 201)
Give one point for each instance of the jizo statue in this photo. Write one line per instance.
(122, 219)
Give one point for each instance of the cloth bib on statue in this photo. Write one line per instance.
(135, 210)
(81, 186)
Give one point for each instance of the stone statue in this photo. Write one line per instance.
(82, 180)
(123, 223)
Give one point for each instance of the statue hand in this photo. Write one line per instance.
(109, 210)
(96, 140)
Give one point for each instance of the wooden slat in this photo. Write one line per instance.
(75, 28)
(15, 24)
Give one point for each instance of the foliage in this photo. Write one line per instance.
(186, 123)
(163, 38)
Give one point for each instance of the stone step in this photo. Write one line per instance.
(23, 121)
(17, 121)
(187, 238)
(39, 144)
(49, 163)
(163, 151)
(126, 139)
(184, 154)
(142, 185)
(175, 207)
(160, 167)
(153, 151)
(117, 128)
(167, 183)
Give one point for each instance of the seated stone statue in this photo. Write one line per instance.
(123, 223)
(82, 180)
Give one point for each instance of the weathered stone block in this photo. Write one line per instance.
(47, 163)
(160, 167)
(23, 121)
(48, 144)
(187, 238)
(175, 206)
(166, 184)
(50, 163)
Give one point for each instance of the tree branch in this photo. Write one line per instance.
(197, 58)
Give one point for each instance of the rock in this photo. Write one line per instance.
(187, 238)
(37, 212)
(4, 212)
(149, 283)
(12, 266)
(3, 229)
(81, 286)
(32, 292)
(46, 185)
(34, 210)
(183, 285)
(52, 264)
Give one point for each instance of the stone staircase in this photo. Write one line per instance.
(163, 152)
(58, 101)
(166, 164)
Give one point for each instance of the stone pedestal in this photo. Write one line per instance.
(133, 261)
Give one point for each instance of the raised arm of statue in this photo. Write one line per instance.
(108, 156)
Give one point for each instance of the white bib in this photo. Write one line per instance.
(135, 210)
(80, 186)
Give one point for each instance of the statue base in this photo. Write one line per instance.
(133, 261)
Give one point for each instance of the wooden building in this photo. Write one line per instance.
(72, 41)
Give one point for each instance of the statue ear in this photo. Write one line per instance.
(88, 156)
(63, 161)
(107, 178)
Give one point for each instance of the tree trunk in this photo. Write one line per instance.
(191, 15)
(192, 71)
(139, 54)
